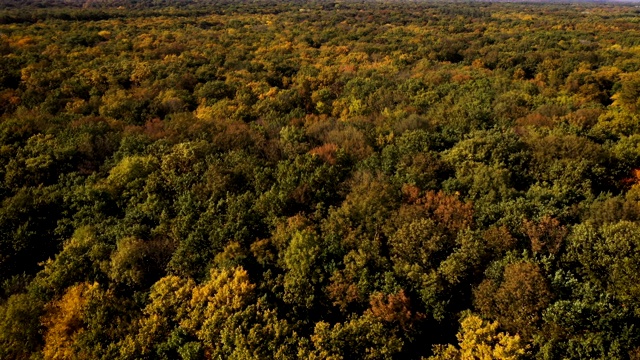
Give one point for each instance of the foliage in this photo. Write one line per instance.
(324, 180)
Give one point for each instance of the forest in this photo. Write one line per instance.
(319, 180)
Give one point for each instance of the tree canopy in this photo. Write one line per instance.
(319, 180)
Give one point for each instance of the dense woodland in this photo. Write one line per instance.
(319, 180)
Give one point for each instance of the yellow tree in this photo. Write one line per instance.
(64, 323)
(481, 340)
